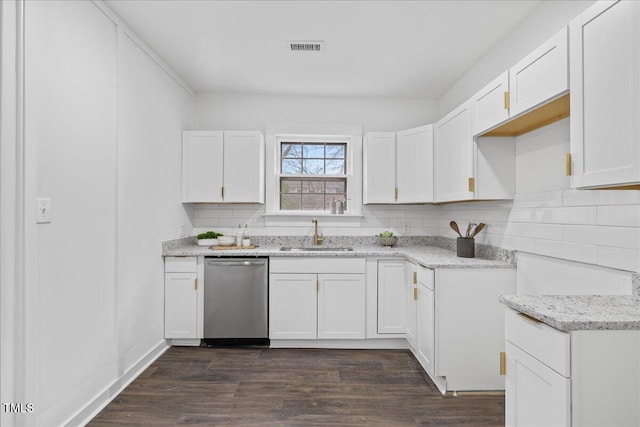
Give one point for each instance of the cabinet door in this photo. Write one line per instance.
(453, 156)
(540, 76)
(243, 167)
(605, 94)
(411, 284)
(379, 171)
(202, 154)
(426, 327)
(392, 291)
(292, 306)
(341, 302)
(490, 106)
(180, 305)
(535, 395)
(414, 165)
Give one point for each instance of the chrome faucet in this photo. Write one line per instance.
(317, 240)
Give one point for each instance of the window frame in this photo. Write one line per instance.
(315, 139)
(276, 134)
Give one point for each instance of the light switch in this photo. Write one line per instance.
(43, 216)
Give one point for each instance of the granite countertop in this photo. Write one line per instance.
(428, 256)
(579, 312)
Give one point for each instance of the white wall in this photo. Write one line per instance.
(544, 22)
(219, 111)
(103, 129)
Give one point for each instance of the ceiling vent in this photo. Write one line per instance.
(305, 46)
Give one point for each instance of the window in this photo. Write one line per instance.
(307, 166)
(312, 174)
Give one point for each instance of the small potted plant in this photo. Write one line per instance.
(209, 238)
(386, 238)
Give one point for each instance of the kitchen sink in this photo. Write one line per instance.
(316, 248)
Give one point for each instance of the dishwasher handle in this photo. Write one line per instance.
(238, 263)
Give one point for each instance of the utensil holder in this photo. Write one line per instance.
(466, 247)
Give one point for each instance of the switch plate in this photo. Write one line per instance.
(406, 228)
(43, 215)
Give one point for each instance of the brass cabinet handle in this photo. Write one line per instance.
(318, 285)
(507, 101)
(222, 192)
(396, 193)
(415, 294)
(567, 164)
(472, 184)
(503, 363)
(415, 277)
(195, 284)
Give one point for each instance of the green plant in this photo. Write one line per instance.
(386, 234)
(209, 235)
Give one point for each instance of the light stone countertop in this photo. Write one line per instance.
(579, 312)
(428, 256)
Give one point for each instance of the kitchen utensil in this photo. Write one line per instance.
(470, 229)
(454, 226)
(478, 229)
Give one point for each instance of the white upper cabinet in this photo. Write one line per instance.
(398, 168)
(540, 76)
(243, 167)
(453, 156)
(605, 95)
(222, 167)
(379, 172)
(521, 95)
(414, 165)
(202, 173)
(491, 104)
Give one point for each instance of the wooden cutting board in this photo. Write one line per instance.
(230, 248)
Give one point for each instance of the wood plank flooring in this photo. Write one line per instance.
(292, 387)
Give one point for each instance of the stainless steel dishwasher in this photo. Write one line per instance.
(236, 301)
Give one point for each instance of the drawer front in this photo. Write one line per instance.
(177, 264)
(316, 265)
(426, 277)
(547, 344)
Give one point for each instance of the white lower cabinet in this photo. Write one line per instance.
(411, 285)
(459, 325)
(392, 289)
(182, 298)
(579, 378)
(426, 327)
(316, 298)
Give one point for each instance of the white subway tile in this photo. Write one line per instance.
(535, 230)
(622, 197)
(619, 215)
(580, 198)
(564, 250)
(543, 199)
(619, 237)
(624, 259)
(522, 215)
(571, 215)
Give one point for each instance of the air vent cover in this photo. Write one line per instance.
(305, 46)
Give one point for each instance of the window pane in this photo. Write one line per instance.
(335, 151)
(291, 166)
(313, 202)
(313, 186)
(290, 202)
(290, 150)
(335, 167)
(336, 187)
(313, 151)
(289, 185)
(313, 167)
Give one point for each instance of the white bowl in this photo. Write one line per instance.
(226, 240)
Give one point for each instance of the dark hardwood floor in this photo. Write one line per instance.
(293, 387)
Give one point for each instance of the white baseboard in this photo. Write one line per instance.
(372, 344)
(91, 409)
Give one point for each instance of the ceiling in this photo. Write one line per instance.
(391, 49)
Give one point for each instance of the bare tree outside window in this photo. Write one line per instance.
(312, 174)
